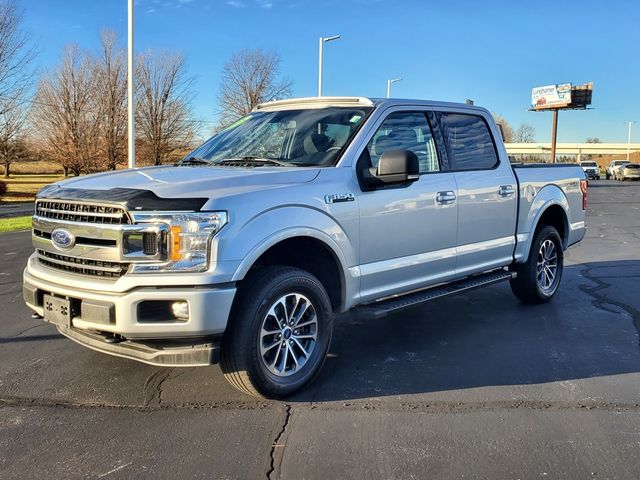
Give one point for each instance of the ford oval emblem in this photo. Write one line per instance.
(62, 238)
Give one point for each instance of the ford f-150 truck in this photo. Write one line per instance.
(243, 252)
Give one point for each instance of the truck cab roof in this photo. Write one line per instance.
(324, 102)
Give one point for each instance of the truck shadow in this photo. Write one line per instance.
(488, 338)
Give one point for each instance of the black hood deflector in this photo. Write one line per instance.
(132, 199)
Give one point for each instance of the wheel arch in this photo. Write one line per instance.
(549, 207)
(309, 249)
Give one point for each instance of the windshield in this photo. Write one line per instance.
(589, 164)
(311, 137)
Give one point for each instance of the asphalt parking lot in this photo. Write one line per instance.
(473, 386)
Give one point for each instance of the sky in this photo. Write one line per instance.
(490, 51)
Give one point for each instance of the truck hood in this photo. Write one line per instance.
(204, 182)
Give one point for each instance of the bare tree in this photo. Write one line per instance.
(507, 130)
(249, 78)
(12, 145)
(525, 134)
(111, 82)
(163, 96)
(66, 115)
(16, 54)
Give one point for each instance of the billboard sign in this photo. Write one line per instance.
(551, 96)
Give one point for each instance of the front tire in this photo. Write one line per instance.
(539, 277)
(278, 338)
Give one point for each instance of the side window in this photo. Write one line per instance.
(469, 142)
(406, 131)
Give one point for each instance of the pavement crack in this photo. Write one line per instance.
(600, 300)
(22, 332)
(153, 386)
(277, 447)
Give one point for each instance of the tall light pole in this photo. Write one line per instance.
(389, 82)
(131, 117)
(629, 122)
(321, 43)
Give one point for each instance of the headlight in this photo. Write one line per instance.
(188, 239)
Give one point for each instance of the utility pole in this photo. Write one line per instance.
(320, 48)
(629, 122)
(389, 82)
(131, 117)
(554, 134)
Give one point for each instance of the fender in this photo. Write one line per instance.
(290, 222)
(546, 197)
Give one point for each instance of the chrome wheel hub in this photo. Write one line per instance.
(547, 265)
(288, 334)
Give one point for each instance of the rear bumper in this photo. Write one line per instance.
(164, 354)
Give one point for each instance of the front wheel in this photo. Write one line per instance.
(538, 278)
(607, 175)
(280, 333)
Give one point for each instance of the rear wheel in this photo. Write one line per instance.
(280, 333)
(539, 277)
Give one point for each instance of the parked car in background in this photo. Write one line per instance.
(609, 171)
(629, 171)
(591, 170)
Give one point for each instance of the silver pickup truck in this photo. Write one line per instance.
(243, 252)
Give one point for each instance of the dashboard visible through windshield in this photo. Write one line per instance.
(306, 137)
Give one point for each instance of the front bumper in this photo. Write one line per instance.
(209, 309)
(163, 354)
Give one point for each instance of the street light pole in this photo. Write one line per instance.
(321, 43)
(131, 126)
(389, 82)
(629, 122)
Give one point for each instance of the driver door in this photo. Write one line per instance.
(407, 233)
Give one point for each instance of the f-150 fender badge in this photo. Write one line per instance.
(339, 198)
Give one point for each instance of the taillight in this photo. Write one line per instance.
(583, 188)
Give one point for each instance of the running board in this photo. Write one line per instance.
(393, 304)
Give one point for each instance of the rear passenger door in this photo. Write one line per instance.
(487, 193)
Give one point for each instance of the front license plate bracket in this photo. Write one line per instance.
(57, 310)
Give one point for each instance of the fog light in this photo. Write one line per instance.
(180, 310)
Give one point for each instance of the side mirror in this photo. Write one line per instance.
(397, 166)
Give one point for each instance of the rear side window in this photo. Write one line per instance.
(469, 142)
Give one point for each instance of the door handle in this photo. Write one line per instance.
(445, 198)
(506, 190)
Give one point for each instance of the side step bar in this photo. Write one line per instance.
(393, 304)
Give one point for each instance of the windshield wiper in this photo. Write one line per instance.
(248, 160)
(195, 161)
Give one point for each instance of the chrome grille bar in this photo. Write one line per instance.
(72, 211)
(81, 266)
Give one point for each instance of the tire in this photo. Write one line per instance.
(531, 287)
(607, 175)
(269, 296)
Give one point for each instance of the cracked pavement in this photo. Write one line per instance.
(473, 386)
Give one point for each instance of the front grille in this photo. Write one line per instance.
(81, 212)
(82, 266)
